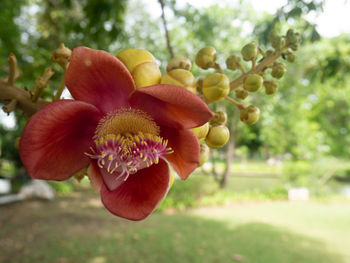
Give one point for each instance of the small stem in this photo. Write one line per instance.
(13, 72)
(218, 68)
(253, 62)
(11, 106)
(241, 68)
(262, 52)
(234, 102)
(41, 84)
(61, 87)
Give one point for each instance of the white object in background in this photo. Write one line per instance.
(298, 194)
(37, 188)
(345, 191)
(5, 186)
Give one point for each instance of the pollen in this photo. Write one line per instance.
(126, 121)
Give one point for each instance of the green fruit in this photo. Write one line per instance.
(216, 86)
(250, 115)
(253, 82)
(206, 57)
(217, 137)
(278, 70)
(219, 118)
(290, 57)
(241, 93)
(249, 51)
(271, 87)
(233, 62)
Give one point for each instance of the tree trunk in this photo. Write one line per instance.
(230, 148)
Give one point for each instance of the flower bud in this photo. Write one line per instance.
(142, 66)
(219, 118)
(217, 137)
(271, 87)
(292, 39)
(199, 85)
(206, 57)
(61, 56)
(277, 42)
(241, 93)
(204, 154)
(216, 86)
(249, 51)
(201, 131)
(180, 77)
(250, 115)
(253, 82)
(290, 57)
(233, 62)
(278, 70)
(179, 63)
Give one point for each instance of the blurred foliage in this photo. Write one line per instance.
(293, 12)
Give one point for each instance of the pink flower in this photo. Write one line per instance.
(125, 136)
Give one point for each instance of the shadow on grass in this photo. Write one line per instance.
(64, 232)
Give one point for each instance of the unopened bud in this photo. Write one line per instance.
(199, 85)
(249, 51)
(219, 118)
(201, 131)
(250, 115)
(271, 87)
(233, 62)
(292, 38)
(216, 86)
(61, 56)
(217, 137)
(179, 63)
(277, 42)
(253, 82)
(206, 57)
(278, 70)
(181, 78)
(241, 93)
(204, 154)
(290, 57)
(142, 66)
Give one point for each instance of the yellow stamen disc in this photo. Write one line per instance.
(126, 121)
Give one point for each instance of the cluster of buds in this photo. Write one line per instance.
(217, 86)
(213, 134)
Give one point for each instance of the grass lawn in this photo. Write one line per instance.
(77, 229)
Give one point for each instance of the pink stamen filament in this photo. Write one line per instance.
(128, 154)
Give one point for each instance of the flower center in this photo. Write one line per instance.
(126, 121)
(126, 141)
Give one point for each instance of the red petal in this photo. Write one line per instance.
(96, 77)
(171, 106)
(54, 140)
(140, 194)
(185, 158)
